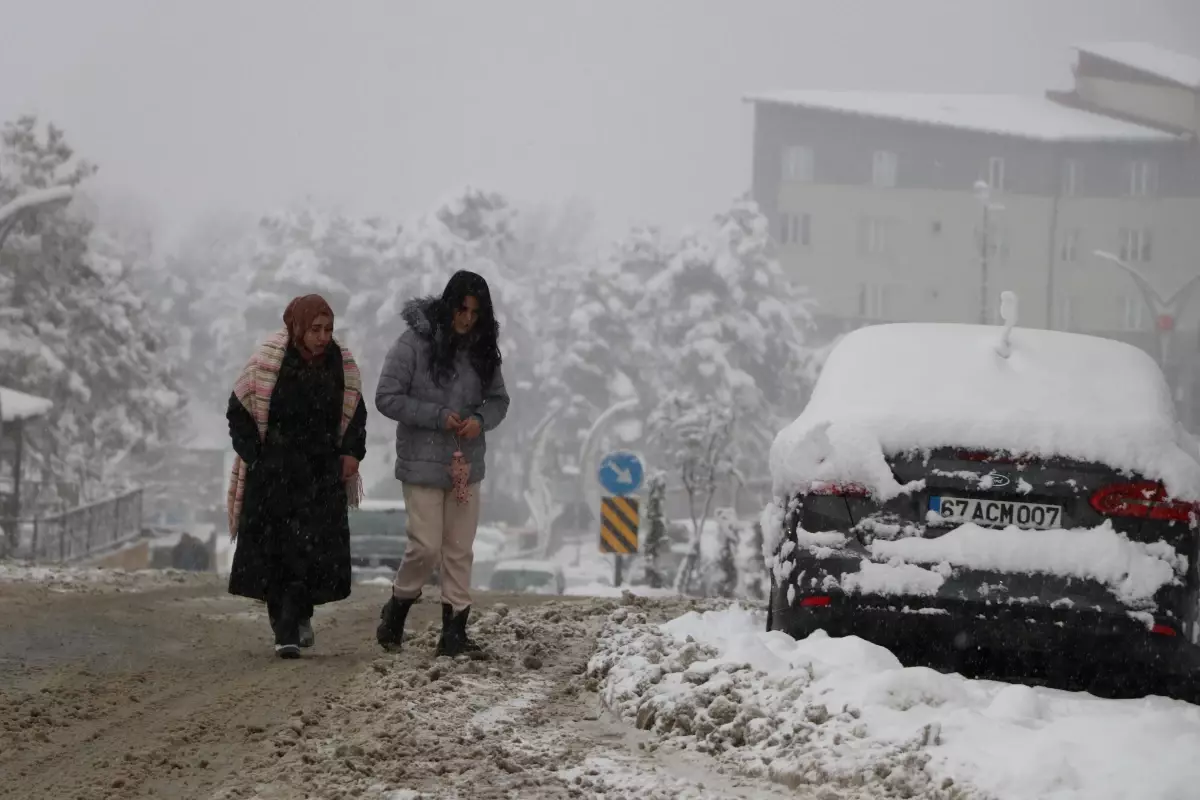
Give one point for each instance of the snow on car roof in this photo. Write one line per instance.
(1025, 116)
(893, 388)
(1148, 58)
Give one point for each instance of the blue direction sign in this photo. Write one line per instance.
(621, 473)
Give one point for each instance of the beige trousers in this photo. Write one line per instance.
(440, 530)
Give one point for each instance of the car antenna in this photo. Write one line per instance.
(1008, 312)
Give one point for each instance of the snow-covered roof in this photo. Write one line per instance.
(1024, 116)
(888, 389)
(1150, 59)
(16, 405)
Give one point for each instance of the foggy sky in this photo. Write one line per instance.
(384, 105)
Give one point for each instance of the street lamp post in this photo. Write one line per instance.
(1166, 309)
(983, 193)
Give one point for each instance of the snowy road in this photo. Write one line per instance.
(166, 687)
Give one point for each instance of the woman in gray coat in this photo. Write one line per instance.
(442, 385)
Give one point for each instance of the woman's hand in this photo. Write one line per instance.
(470, 428)
(453, 422)
(349, 467)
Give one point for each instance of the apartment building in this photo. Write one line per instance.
(898, 207)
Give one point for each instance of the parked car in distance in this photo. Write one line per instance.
(378, 537)
(528, 577)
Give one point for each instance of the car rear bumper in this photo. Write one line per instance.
(948, 629)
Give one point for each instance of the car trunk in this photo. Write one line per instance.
(998, 491)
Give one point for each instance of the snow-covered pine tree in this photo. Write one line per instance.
(82, 337)
(656, 530)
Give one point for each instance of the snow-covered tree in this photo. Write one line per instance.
(753, 581)
(82, 335)
(656, 530)
(694, 436)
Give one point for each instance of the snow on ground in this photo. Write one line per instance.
(843, 715)
(605, 590)
(1052, 396)
(91, 580)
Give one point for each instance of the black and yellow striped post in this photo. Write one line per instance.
(619, 525)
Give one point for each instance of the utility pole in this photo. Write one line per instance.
(983, 193)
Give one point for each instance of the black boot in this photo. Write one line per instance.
(285, 623)
(454, 640)
(390, 632)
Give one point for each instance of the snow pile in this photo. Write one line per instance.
(606, 590)
(95, 580)
(845, 716)
(1055, 395)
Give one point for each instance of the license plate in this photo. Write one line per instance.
(996, 513)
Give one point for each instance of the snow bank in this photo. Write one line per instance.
(845, 716)
(604, 590)
(888, 389)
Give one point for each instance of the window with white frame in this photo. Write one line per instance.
(1143, 178)
(1136, 245)
(798, 163)
(997, 244)
(1072, 172)
(796, 229)
(1069, 247)
(874, 236)
(1135, 313)
(875, 301)
(995, 174)
(884, 165)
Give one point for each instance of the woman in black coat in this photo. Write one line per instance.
(298, 426)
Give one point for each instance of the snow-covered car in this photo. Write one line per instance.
(378, 537)
(969, 488)
(528, 577)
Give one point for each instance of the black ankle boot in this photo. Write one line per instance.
(390, 633)
(454, 640)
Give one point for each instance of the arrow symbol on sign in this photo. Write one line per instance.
(623, 475)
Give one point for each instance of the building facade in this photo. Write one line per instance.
(895, 207)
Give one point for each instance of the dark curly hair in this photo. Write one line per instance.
(483, 342)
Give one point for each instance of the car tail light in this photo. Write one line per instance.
(1141, 500)
(839, 489)
(1163, 630)
(816, 601)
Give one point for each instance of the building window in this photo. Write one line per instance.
(1071, 176)
(1136, 245)
(1064, 313)
(1069, 248)
(995, 174)
(883, 169)
(1143, 178)
(874, 236)
(875, 301)
(796, 229)
(798, 163)
(1135, 313)
(998, 244)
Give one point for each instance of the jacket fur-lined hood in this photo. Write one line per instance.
(417, 317)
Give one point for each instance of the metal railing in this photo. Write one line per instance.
(78, 533)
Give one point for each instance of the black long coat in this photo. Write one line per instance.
(294, 526)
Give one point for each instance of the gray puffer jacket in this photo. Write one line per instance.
(408, 394)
